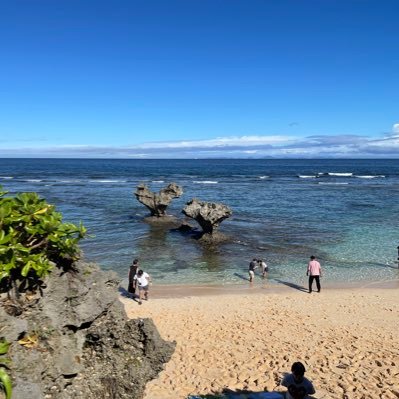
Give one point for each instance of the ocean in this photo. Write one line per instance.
(345, 212)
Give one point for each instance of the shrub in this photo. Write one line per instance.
(33, 239)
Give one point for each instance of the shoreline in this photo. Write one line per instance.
(267, 287)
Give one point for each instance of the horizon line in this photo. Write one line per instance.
(204, 158)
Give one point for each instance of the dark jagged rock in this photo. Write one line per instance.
(82, 344)
(158, 202)
(209, 215)
(185, 228)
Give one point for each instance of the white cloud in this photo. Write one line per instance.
(231, 141)
(316, 146)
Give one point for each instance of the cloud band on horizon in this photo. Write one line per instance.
(324, 146)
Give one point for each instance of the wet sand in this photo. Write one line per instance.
(247, 338)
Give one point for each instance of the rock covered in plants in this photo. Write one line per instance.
(157, 203)
(69, 335)
(75, 341)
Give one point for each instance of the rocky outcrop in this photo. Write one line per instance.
(209, 215)
(75, 341)
(158, 202)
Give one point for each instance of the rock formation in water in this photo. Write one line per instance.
(158, 202)
(75, 341)
(209, 215)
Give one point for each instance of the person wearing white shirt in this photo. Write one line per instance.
(143, 281)
(263, 267)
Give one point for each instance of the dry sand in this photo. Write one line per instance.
(348, 340)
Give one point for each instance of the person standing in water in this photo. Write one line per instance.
(251, 269)
(263, 267)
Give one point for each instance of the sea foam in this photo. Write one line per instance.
(346, 174)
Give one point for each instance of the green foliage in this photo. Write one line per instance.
(5, 380)
(4, 346)
(33, 239)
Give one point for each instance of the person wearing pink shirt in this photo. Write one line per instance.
(314, 273)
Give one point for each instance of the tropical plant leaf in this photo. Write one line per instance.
(4, 345)
(5, 382)
(4, 239)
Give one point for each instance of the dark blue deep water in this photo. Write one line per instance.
(343, 211)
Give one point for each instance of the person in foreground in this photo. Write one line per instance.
(298, 386)
(143, 280)
(314, 273)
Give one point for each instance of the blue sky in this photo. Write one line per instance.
(199, 78)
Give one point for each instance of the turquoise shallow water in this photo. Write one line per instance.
(343, 211)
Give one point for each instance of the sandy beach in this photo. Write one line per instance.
(348, 340)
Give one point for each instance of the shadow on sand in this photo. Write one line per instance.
(240, 394)
(126, 294)
(292, 285)
(243, 394)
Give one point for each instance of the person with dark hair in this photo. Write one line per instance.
(132, 272)
(298, 386)
(251, 269)
(143, 281)
(314, 273)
